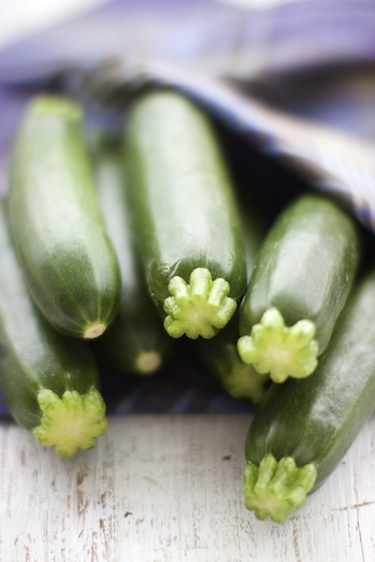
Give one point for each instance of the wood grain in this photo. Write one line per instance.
(168, 489)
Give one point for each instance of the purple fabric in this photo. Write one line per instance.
(221, 39)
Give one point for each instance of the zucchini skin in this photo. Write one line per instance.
(69, 261)
(220, 354)
(34, 356)
(299, 285)
(136, 342)
(315, 420)
(182, 197)
(305, 267)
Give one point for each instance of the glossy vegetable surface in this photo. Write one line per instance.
(303, 428)
(69, 261)
(186, 214)
(220, 354)
(136, 342)
(50, 382)
(300, 283)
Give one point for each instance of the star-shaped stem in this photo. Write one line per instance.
(243, 381)
(198, 308)
(282, 351)
(70, 422)
(276, 489)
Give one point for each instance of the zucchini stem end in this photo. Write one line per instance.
(94, 330)
(243, 381)
(276, 489)
(198, 308)
(70, 422)
(148, 362)
(279, 350)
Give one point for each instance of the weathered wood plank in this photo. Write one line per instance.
(168, 489)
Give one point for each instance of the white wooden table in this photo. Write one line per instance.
(168, 489)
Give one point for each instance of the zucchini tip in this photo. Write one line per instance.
(279, 350)
(198, 308)
(148, 362)
(94, 330)
(71, 422)
(243, 381)
(47, 104)
(276, 489)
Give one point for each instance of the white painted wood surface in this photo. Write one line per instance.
(168, 489)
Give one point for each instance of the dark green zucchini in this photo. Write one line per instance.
(136, 342)
(69, 261)
(303, 428)
(50, 382)
(302, 277)
(186, 214)
(220, 355)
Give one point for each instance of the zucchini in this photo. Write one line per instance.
(186, 214)
(64, 248)
(301, 280)
(303, 428)
(220, 355)
(136, 342)
(50, 382)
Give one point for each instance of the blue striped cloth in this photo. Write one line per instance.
(292, 89)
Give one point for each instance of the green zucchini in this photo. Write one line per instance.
(69, 262)
(220, 356)
(186, 213)
(301, 280)
(50, 382)
(136, 342)
(303, 428)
